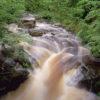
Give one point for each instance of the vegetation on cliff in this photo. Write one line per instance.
(10, 11)
(79, 16)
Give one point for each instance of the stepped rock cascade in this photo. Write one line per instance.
(59, 60)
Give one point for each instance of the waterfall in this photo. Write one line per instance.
(59, 57)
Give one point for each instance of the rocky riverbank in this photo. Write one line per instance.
(13, 70)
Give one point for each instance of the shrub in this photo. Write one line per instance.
(80, 16)
(10, 10)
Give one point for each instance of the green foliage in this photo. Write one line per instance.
(13, 39)
(32, 5)
(10, 10)
(16, 52)
(80, 16)
(22, 57)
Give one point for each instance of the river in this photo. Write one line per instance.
(59, 59)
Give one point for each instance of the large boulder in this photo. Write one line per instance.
(44, 28)
(28, 21)
(12, 73)
(12, 28)
(35, 32)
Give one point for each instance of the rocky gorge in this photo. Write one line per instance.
(47, 39)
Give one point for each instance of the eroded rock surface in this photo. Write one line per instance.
(12, 73)
(28, 21)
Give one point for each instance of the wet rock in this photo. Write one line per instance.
(91, 84)
(12, 28)
(12, 73)
(9, 81)
(34, 32)
(42, 28)
(28, 22)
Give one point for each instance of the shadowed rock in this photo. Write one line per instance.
(12, 73)
(28, 22)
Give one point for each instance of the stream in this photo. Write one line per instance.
(58, 60)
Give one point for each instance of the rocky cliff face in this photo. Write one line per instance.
(12, 73)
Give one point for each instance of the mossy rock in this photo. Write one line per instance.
(13, 70)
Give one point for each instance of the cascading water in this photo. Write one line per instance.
(58, 55)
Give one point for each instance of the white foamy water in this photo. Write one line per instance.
(48, 84)
(49, 28)
(58, 73)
